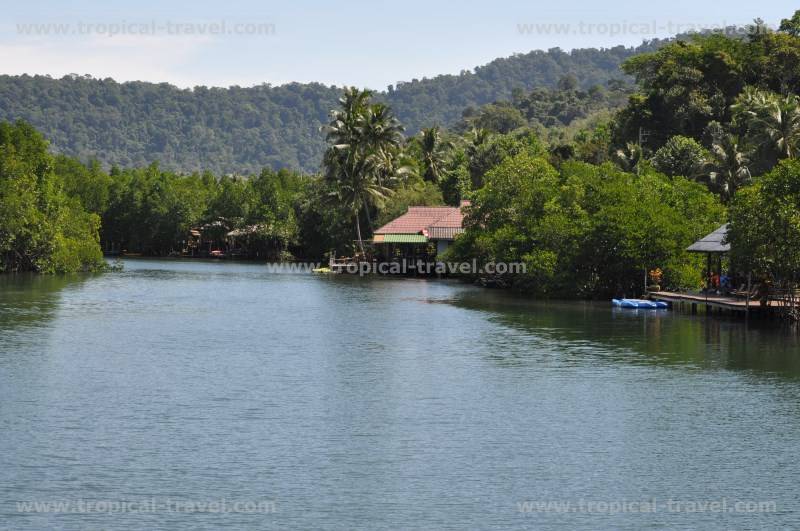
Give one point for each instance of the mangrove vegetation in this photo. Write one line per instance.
(589, 179)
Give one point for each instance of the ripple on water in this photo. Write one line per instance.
(381, 403)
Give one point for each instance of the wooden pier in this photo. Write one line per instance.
(710, 302)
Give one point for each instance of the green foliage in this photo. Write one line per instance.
(76, 240)
(412, 193)
(716, 108)
(562, 106)
(791, 25)
(745, 85)
(770, 120)
(151, 210)
(432, 153)
(442, 99)
(684, 86)
(630, 158)
(531, 149)
(681, 156)
(240, 130)
(730, 162)
(322, 228)
(764, 230)
(363, 158)
(41, 228)
(587, 230)
(594, 145)
(499, 118)
(574, 122)
(486, 151)
(233, 130)
(87, 182)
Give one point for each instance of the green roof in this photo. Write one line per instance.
(404, 238)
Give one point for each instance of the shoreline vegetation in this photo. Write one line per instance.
(588, 188)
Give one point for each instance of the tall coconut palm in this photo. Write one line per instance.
(433, 153)
(354, 185)
(477, 137)
(379, 128)
(393, 166)
(345, 123)
(729, 164)
(771, 119)
(364, 140)
(381, 135)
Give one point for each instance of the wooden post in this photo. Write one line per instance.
(747, 299)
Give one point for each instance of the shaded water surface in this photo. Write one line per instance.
(346, 403)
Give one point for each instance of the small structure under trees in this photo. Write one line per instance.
(420, 233)
(714, 246)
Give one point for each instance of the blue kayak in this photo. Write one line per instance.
(639, 304)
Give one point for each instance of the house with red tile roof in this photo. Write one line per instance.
(421, 225)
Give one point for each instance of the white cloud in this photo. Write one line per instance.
(122, 57)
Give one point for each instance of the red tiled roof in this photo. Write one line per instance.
(454, 218)
(436, 222)
(415, 220)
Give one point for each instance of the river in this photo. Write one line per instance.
(202, 395)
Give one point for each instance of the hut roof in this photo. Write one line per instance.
(712, 243)
(434, 222)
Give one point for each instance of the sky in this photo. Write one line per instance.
(364, 43)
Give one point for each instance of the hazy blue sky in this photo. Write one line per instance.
(366, 43)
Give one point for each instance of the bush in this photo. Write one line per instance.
(41, 228)
(681, 156)
(587, 231)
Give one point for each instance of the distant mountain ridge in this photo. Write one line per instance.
(241, 130)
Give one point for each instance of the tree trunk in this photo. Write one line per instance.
(369, 217)
(360, 240)
(365, 204)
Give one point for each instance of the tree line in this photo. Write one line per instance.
(239, 130)
(589, 186)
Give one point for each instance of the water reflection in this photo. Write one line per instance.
(595, 331)
(30, 300)
(379, 403)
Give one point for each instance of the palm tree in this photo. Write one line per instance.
(630, 157)
(345, 123)
(380, 129)
(478, 137)
(393, 166)
(729, 163)
(363, 154)
(771, 119)
(355, 186)
(433, 153)
(382, 136)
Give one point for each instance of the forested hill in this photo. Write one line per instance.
(442, 99)
(242, 130)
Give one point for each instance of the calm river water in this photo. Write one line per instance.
(198, 395)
